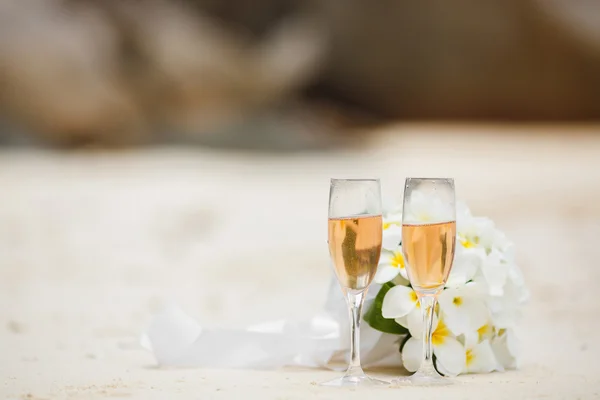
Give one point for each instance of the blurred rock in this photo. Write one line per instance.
(110, 72)
(59, 73)
(512, 59)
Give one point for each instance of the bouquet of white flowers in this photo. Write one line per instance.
(477, 310)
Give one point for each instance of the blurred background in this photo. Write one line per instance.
(286, 74)
(159, 150)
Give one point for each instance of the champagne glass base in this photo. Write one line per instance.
(421, 379)
(355, 381)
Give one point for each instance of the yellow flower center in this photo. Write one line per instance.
(470, 357)
(468, 242)
(440, 333)
(398, 260)
(413, 297)
(484, 331)
(387, 225)
(457, 301)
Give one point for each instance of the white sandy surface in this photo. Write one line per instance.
(92, 244)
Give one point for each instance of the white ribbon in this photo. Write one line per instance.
(178, 340)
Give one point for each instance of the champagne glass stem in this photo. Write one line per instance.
(355, 303)
(427, 303)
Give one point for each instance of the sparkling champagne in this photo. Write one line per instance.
(429, 252)
(355, 247)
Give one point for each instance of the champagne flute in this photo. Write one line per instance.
(355, 234)
(428, 243)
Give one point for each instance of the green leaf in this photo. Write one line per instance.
(374, 318)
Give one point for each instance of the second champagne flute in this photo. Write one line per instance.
(428, 243)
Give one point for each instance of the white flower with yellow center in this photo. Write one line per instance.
(480, 358)
(464, 308)
(473, 232)
(391, 262)
(391, 265)
(449, 352)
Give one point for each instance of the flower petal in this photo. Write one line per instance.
(414, 322)
(471, 226)
(462, 211)
(398, 301)
(466, 264)
(477, 312)
(506, 310)
(404, 273)
(512, 343)
(515, 274)
(393, 213)
(495, 272)
(412, 354)
(440, 368)
(471, 339)
(385, 273)
(403, 321)
(392, 236)
(451, 354)
(502, 354)
(480, 358)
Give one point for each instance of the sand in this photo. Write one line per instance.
(92, 244)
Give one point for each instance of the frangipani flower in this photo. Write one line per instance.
(464, 308)
(475, 232)
(449, 352)
(391, 264)
(480, 358)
